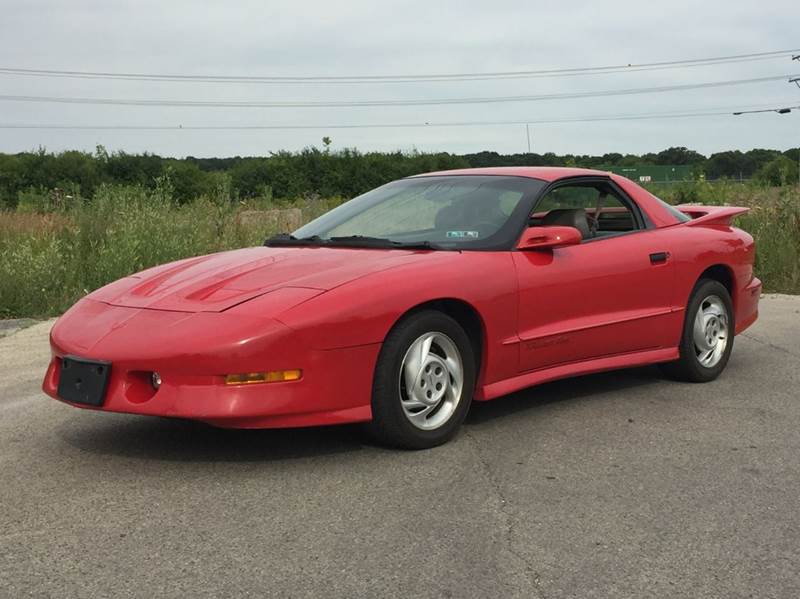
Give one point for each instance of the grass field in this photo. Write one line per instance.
(50, 255)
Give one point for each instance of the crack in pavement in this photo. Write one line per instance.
(530, 573)
(768, 344)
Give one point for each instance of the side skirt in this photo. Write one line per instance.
(535, 377)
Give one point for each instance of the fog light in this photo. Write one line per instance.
(274, 376)
(155, 380)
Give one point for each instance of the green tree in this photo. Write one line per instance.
(250, 175)
(679, 155)
(188, 181)
(731, 164)
(781, 170)
(133, 169)
(11, 180)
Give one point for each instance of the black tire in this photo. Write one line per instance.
(390, 425)
(688, 367)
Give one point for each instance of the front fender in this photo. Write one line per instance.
(363, 312)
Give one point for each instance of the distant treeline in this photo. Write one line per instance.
(344, 173)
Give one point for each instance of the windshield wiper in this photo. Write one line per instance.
(285, 239)
(361, 241)
(382, 242)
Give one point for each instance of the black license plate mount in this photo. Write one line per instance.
(83, 381)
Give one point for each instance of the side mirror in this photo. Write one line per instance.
(545, 238)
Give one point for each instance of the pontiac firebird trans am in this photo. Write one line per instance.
(402, 306)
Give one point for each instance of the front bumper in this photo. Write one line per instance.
(193, 352)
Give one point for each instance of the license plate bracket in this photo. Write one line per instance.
(83, 381)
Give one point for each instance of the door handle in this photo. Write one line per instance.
(659, 257)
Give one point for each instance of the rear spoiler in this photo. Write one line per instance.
(710, 215)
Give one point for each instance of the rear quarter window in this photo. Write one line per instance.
(682, 217)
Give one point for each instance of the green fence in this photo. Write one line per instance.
(654, 173)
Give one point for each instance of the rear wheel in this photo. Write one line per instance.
(424, 381)
(708, 332)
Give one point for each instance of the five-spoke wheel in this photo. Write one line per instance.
(431, 380)
(424, 381)
(710, 331)
(707, 337)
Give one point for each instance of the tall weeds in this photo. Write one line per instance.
(50, 258)
(47, 261)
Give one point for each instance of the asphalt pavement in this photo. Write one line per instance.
(614, 485)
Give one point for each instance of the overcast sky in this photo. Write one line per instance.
(385, 38)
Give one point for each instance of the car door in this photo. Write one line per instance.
(610, 294)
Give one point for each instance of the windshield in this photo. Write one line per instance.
(455, 212)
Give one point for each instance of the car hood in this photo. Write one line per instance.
(217, 282)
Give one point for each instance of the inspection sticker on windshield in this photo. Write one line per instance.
(463, 234)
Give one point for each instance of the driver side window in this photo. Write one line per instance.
(594, 209)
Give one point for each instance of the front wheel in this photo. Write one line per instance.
(707, 338)
(424, 382)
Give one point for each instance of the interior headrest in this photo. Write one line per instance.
(568, 217)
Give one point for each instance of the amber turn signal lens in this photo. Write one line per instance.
(275, 376)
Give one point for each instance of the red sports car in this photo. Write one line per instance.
(402, 306)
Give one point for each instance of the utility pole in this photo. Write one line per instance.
(528, 133)
(797, 82)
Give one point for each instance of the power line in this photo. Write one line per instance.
(662, 115)
(360, 103)
(407, 78)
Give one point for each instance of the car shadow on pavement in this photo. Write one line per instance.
(154, 438)
(584, 387)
